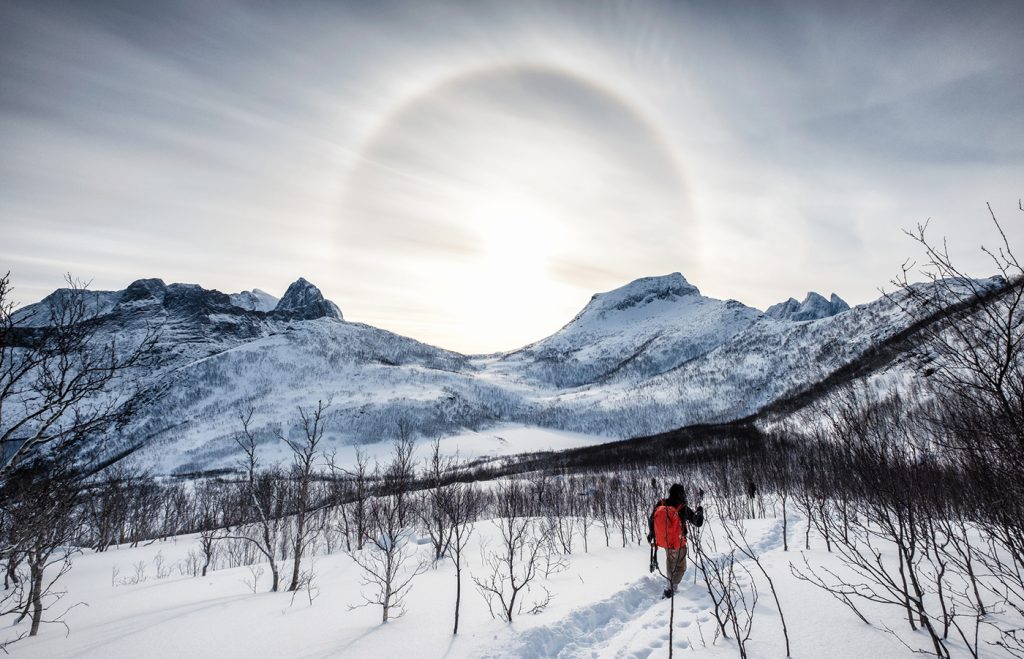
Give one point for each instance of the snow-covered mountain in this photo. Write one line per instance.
(647, 357)
(641, 329)
(814, 307)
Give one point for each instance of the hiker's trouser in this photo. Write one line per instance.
(675, 564)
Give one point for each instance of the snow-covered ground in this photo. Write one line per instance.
(605, 605)
(467, 446)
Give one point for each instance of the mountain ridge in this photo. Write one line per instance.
(814, 307)
(647, 357)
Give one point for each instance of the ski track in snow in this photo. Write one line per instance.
(133, 624)
(632, 623)
(585, 630)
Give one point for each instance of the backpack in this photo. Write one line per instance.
(668, 526)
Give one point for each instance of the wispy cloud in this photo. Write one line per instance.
(469, 173)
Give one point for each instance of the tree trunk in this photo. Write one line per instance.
(785, 534)
(269, 543)
(300, 528)
(37, 599)
(11, 577)
(458, 596)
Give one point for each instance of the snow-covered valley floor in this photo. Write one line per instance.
(605, 605)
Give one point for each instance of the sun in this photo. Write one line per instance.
(503, 200)
(517, 241)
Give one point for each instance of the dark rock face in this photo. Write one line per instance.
(191, 321)
(304, 301)
(144, 289)
(814, 307)
(191, 299)
(175, 301)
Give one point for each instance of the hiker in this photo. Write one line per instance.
(667, 525)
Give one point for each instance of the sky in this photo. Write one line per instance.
(470, 173)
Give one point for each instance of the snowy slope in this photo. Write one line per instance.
(765, 361)
(604, 605)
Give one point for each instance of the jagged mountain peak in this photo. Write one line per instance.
(814, 307)
(306, 301)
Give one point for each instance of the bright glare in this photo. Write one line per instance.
(509, 208)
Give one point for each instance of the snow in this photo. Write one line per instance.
(254, 300)
(469, 445)
(605, 605)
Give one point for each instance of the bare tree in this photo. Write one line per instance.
(737, 534)
(64, 387)
(41, 503)
(461, 504)
(585, 517)
(871, 443)
(512, 567)
(61, 382)
(107, 505)
(304, 452)
(731, 587)
(388, 562)
(400, 472)
(354, 515)
(432, 508)
(975, 364)
(211, 521)
(264, 493)
(977, 347)
(558, 507)
(779, 469)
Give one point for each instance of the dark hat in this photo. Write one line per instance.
(677, 492)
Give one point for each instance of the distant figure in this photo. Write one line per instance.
(668, 526)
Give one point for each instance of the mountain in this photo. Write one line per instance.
(650, 356)
(814, 307)
(641, 329)
(304, 300)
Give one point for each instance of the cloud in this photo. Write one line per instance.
(416, 158)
